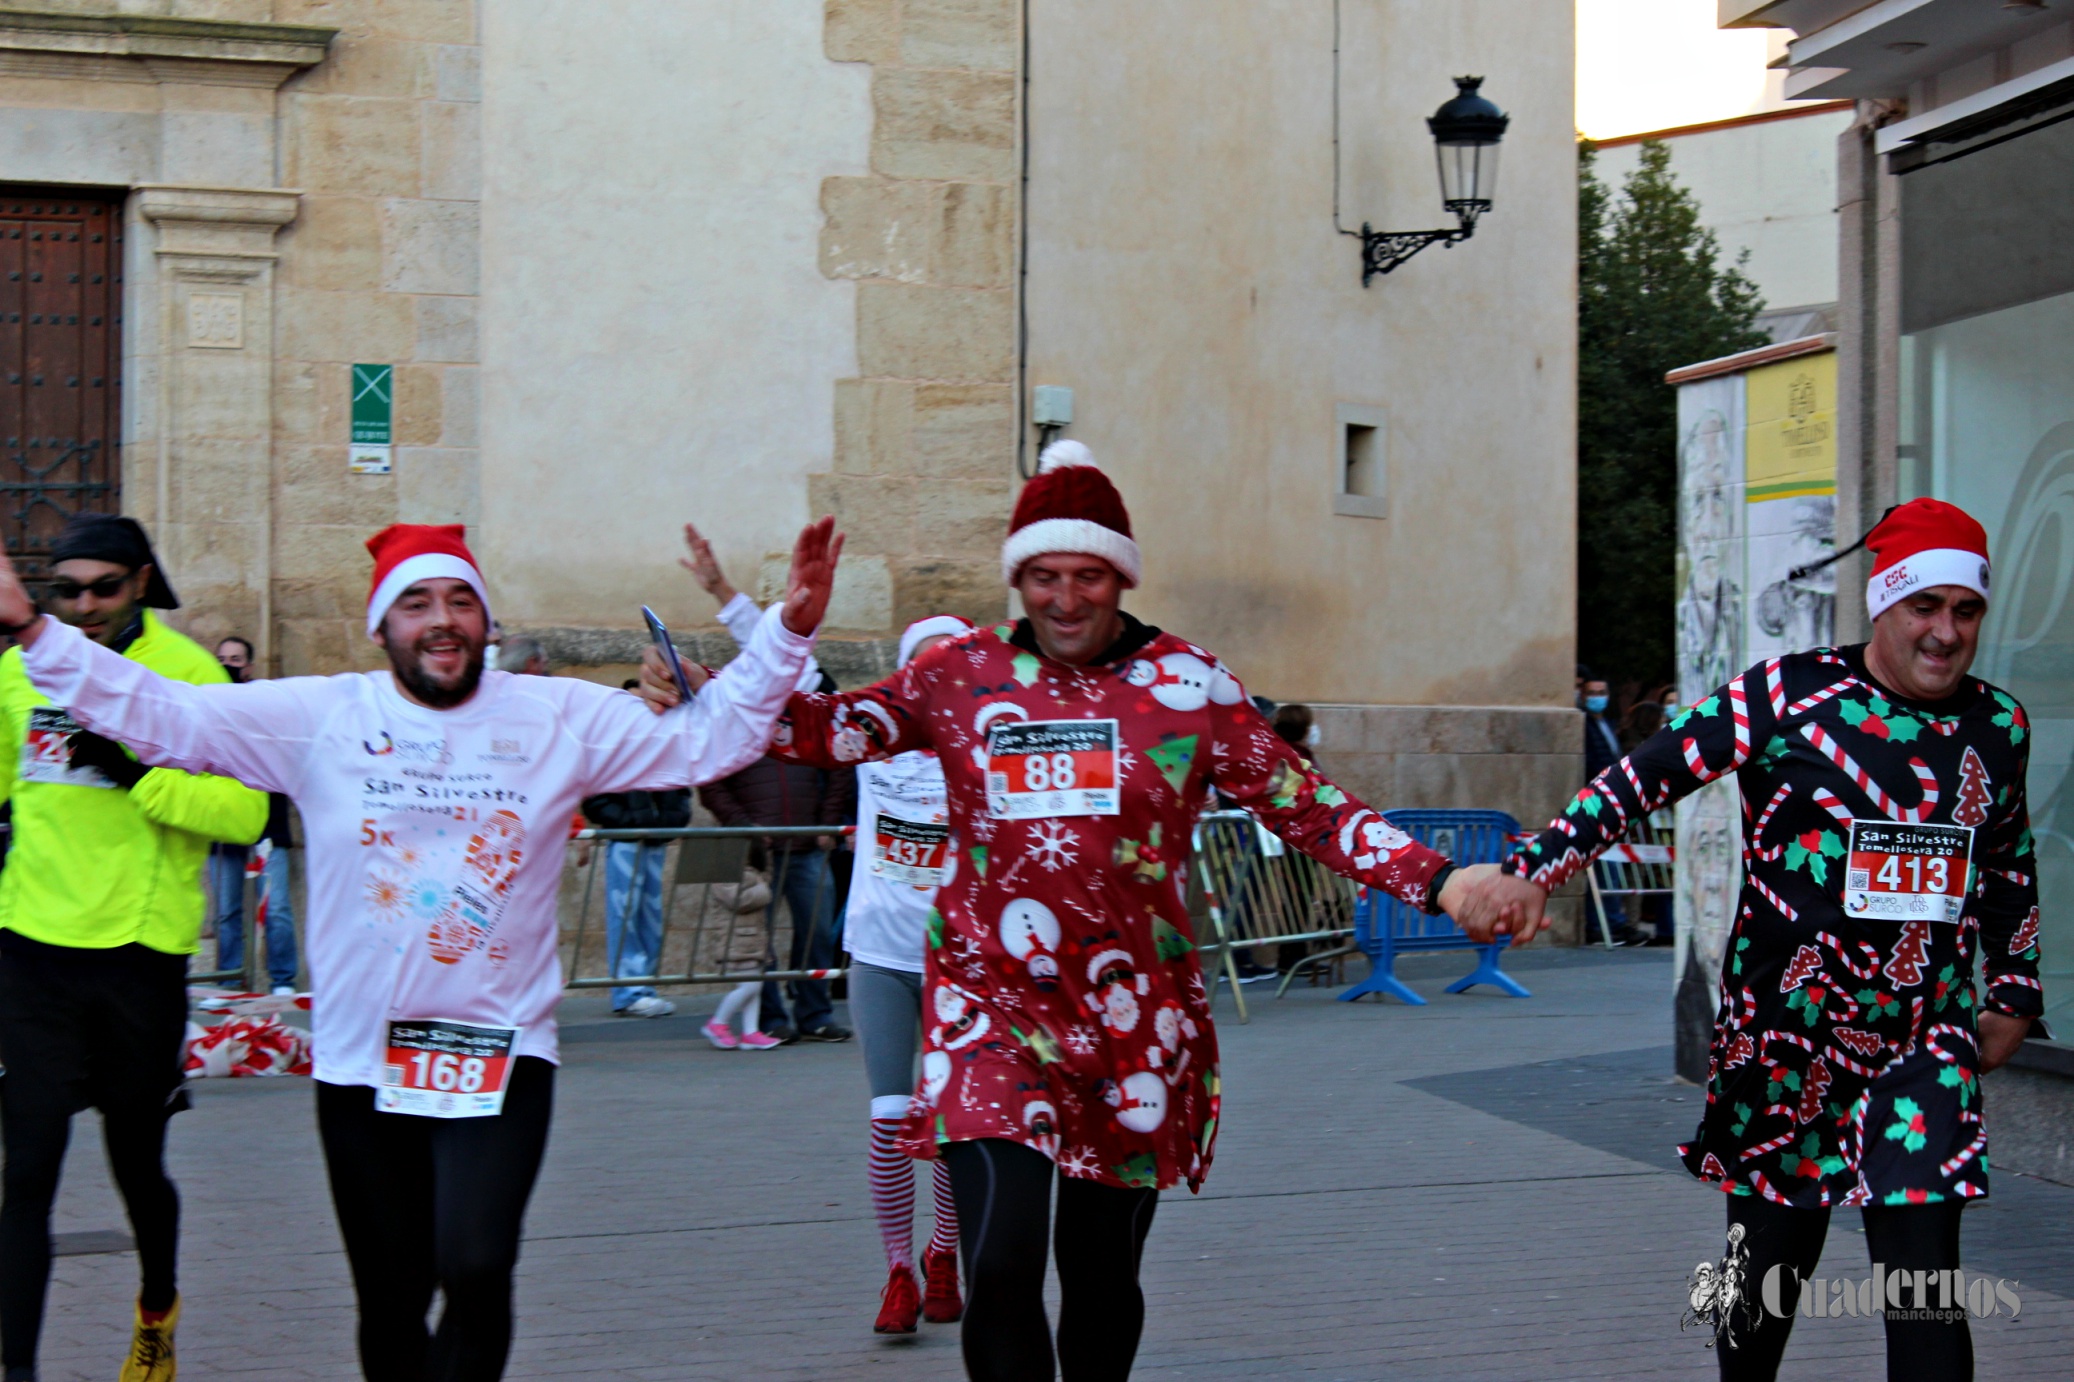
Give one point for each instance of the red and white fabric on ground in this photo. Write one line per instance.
(246, 1046)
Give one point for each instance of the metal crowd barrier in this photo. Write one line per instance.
(1644, 864)
(1385, 928)
(709, 947)
(1255, 890)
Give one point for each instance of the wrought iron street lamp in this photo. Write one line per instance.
(1466, 132)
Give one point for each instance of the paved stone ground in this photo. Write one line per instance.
(1478, 1189)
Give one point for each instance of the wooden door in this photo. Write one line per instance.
(60, 365)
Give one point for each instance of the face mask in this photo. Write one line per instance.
(1595, 704)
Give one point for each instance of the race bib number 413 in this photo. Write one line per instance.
(1052, 768)
(1907, 872)
(439, 1069)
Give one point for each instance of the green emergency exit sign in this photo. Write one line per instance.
(374, 392)
(374, 388)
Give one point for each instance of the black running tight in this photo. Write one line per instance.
(434, 1202)
(1913, 1238)
(1004, 1207)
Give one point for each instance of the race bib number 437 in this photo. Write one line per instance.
(907, 851)
(1907, 872)
(439, 1069)
(1052, 768)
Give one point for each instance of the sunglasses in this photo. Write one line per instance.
(107, 588)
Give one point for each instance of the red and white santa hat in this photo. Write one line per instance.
(1070, 506)
(935, 626)
(406, 553)
(1924, 543)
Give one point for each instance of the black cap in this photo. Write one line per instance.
(121, 541)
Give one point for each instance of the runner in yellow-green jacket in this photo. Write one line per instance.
(100, 905)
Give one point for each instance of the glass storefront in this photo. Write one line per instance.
(1987, 422)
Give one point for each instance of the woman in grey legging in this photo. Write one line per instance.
(902, 832)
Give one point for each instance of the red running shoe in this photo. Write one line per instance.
(900, 1304)
(941, 1303)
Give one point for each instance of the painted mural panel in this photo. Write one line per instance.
(1711, 638)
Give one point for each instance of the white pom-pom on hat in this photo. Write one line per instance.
(1065, 452)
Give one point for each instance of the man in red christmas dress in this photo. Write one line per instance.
(1886, 841)
(1067, 1031)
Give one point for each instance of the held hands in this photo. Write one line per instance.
(1487, 903)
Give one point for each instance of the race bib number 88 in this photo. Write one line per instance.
(1907, 872)
(1052, 768)
(439, 1069)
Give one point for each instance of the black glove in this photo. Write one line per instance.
(90, 750)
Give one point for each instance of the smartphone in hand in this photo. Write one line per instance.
(661, 635)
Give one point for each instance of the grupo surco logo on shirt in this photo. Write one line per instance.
(409, 750)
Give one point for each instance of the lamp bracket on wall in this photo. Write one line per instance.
(1384, 250)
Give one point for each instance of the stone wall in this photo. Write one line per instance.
(380, 267)
(925, 435)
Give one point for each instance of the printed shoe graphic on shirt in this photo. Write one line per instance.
(470, 917)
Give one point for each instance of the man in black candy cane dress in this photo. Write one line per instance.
(1886, 842)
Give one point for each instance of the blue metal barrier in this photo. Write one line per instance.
(1385, 928)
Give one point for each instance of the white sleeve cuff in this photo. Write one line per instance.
(739, 616)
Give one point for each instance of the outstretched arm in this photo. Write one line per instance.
(258, 732)
(1709, 740)
(728, 726)
(1251, 764)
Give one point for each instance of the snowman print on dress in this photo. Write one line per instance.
(1183, 681)
(1030, 932)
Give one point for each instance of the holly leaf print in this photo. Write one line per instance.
(1705, 709)
(1743, 1112)
(1812, 852)
(1587, 802)
(1909, 1127)
(1853, 712)
(2011, 718)
(1023, 668)
(1774, 753)
(1904, 729)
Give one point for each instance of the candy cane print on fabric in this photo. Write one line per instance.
(1775, 688)
(1827, 800)
(1739, 710)
(1911, 815)
(1809, 702)
(1753, 851)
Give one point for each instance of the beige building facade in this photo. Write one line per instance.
(637, 262)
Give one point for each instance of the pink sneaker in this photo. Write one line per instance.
(758, 1041)
(721, 1035)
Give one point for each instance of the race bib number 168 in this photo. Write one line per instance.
(1052, 768)
(441, 1069)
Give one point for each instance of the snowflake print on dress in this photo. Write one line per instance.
(1052, 845)
(1078, 1161)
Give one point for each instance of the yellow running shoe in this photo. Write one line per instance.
(151, 1349)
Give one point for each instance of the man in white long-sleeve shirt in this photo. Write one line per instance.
(435, 799)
